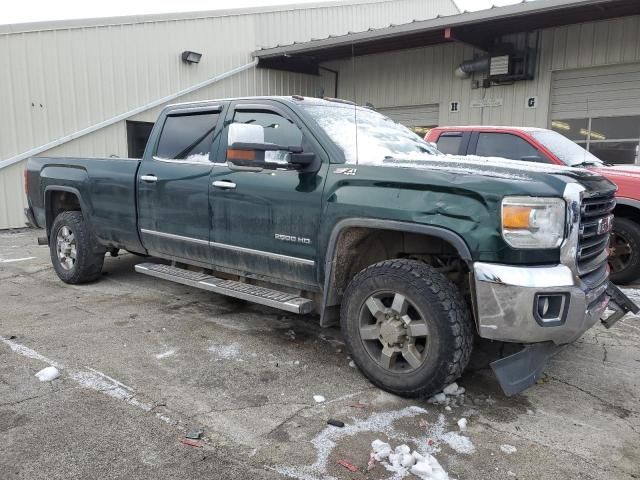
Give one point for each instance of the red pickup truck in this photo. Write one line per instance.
(546, 146)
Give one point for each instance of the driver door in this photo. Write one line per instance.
(266, 222)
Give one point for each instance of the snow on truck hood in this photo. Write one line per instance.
(484, 166)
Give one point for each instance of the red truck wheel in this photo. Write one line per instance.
(624, 259)
(407, 327)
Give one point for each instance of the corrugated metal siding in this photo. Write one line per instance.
(426, 75)
(56, 82)
(413, 116)
(596, 92)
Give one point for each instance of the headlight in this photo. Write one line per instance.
(533, 222)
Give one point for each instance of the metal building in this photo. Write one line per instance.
(92, 87)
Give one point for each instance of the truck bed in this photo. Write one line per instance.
(105, 188)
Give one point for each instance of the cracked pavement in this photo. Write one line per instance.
(143, 361)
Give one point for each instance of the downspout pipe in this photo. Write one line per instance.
(123, 116)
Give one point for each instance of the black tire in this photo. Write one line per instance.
(435, 301)
(89, 255)
(625, 268)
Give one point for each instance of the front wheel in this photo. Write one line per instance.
(75, 255)
(407, 326)
(624, 247)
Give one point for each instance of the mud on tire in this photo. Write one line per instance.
(385, 305)
(75, 255)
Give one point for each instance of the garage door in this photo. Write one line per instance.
(602, 91)
(599, 108)
(419, 118)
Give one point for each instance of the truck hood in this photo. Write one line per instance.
(492, 167)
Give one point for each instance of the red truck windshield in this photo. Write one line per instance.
(567, 151)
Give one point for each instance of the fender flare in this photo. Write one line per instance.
(63, 188)
(329, 295)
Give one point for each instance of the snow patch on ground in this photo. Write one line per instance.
(318, 398)
(12, 260)
(508, 449)
(430, 442)
(401, 461)
(225, 352)
(166, 354)
(48, 374)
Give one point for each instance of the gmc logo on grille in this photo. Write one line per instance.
(605, 225)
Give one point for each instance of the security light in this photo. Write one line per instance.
(191, 57)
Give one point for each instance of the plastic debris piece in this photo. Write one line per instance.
(349, 466)
(335, 423)
(319, 398)
(352, 364)
(356, 405)
(192, 443)
(462, 424)
(48, 374)
(447, 408)
(194, 433)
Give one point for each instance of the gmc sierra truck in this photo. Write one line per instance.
(320, 206)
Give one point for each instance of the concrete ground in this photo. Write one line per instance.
(143, 361)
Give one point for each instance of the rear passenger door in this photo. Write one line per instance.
(505, 145)
(173, 184)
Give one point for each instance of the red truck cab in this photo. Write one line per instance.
(547, 146)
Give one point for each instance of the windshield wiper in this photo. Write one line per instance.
(587, 163)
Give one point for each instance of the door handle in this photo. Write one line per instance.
(224, 184)
(149, 178)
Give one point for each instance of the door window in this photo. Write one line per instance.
(450, 143)
(506, 145)
(187, 137)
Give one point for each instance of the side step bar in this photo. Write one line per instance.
(252, 293)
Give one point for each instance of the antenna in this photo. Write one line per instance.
(355, 101)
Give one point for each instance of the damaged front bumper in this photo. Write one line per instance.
(543, 308)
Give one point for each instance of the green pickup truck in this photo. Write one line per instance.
(320, 206)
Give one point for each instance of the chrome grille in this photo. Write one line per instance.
(593, 250)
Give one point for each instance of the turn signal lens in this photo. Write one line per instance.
(516, 217)
(233, 154)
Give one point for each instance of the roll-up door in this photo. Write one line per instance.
(419, 118)
(599, 108)
(596, 92)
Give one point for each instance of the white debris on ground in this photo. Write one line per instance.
(462, 424)
(508, 449)
(352, 364)
(48, 374)
(166, 354)
(318, 398)
(427, 443)
(451, 395)
(225, 352)
(401, 461)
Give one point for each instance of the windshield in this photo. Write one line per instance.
(567, 151)
(378, 138)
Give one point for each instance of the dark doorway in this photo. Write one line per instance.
(137, 136)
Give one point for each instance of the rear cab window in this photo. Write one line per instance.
(450, 143)
(187, 137)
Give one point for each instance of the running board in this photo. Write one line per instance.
(245, 291)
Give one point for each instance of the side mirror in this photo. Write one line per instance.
(248, 151)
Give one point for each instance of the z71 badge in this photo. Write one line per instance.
(345, 171)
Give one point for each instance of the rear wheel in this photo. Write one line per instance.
(624, 258)
(75, 255)
(407, 327)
